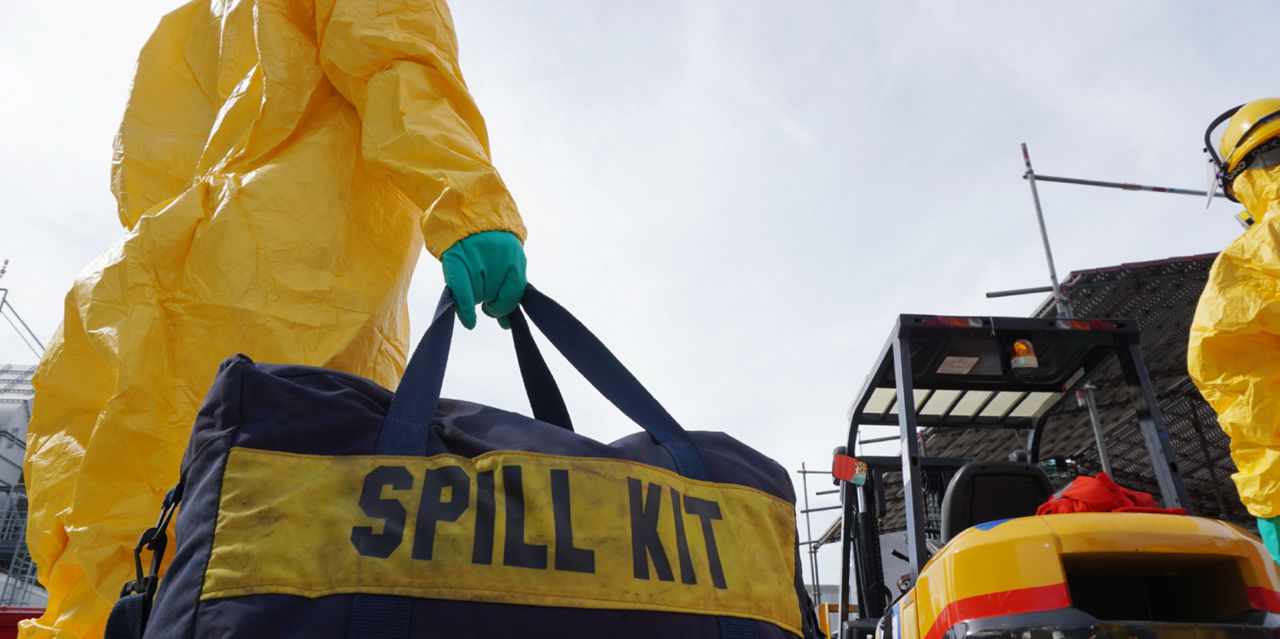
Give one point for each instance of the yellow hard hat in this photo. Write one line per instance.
(1251, 125)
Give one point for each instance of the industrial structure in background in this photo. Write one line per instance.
(18, 585)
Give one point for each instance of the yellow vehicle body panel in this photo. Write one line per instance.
(982, 570)
(1017, 566)
(908, 630)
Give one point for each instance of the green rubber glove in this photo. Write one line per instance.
(486, 268)
(1270, 538)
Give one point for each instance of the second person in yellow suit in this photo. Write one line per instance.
(279, 167)
(1234, 351)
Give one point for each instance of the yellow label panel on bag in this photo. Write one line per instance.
(505, 527)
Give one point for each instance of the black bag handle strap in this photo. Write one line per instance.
(405, 428)
(414, 404)
(540, 386)
(427, 376)
(599, 366)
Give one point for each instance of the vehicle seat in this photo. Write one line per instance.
(990, 491)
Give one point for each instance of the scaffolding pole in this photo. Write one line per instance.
(1064, 307)
(24, 332)
(808, 531)
(1117, 185)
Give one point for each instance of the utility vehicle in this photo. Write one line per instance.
(993, 568)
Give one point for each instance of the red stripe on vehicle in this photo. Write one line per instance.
(1008, 602)
(1264, 599)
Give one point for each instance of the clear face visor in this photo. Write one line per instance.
(1210, 178)
(1215, 168)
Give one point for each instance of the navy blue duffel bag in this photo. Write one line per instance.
(318, 504)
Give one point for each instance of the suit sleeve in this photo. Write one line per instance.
(396, 61)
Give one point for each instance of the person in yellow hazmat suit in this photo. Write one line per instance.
(279, 167)
(1234, 350)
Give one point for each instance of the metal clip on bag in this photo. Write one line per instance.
(318, 504)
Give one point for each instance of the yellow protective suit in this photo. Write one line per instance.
(274, 165)
(1234, 351)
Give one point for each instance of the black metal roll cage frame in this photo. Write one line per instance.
(915, 359)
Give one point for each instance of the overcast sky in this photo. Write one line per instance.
(737, 197)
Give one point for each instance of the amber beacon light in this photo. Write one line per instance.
(1024, 355)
